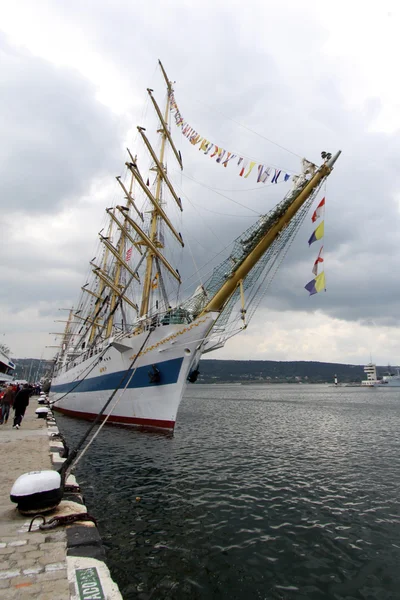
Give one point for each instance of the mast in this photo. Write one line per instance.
(100, 292)
(67, 335)
(127, 224)
(117, 276)
(155, 214)
(224, 293)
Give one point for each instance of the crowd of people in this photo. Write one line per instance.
(16, 397)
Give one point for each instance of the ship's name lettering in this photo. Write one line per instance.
(169, 338)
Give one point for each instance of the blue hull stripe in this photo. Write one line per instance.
(169, 373)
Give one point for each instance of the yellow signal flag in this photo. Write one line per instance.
(154, 283)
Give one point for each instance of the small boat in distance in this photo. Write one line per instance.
(134, 327)
(390, 380)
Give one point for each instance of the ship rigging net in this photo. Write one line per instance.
(234, 317)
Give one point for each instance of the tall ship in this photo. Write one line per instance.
(134, 329)
(7, 368)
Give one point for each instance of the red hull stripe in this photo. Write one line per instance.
(118, 419)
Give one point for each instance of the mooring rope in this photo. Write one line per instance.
(73, 454)
(78, 458)
(96, 362)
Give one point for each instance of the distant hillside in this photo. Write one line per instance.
(237, 371)
(32, 369)
(270, 371)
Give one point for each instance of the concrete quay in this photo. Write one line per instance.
(65, 563)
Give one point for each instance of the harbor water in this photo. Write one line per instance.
(263, 492)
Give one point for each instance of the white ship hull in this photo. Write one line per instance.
(6, 378)
(175, 350)
(7, 368)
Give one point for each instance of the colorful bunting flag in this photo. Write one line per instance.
(317, 284)
(228, 158)
(128, 254)
(251, 167)
(318, 211)
(215, 152)
(275, 177)
(318, 233)
(221, 155)
(319, 260)
(244, 165)
(154, 283)
(266, 174)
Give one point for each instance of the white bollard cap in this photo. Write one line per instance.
(36, 482)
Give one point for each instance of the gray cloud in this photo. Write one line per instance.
(59, 137)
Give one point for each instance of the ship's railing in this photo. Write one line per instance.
(172, 316)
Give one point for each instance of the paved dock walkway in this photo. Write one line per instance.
(32, 565)
(35, 564)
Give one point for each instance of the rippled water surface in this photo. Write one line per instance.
(281, 492)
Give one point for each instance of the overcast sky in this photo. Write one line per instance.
(309, 76)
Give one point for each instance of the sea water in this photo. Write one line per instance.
(263, 491)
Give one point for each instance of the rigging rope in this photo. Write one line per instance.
(114, 406)
(251, 130)
(256, 278)
(223, 195)
(295, 226)
(265, 186)
(83, 379)
(72, 456)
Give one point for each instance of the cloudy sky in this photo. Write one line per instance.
(309, 76)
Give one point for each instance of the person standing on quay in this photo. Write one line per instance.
(20, 403)
(6, 403)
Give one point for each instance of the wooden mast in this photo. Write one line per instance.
(144, 308)
(151, 245)
(67, 331)
(220, 299)
(153, 199)
(129, 227)
(100, 291)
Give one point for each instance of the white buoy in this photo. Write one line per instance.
(42, 412)
(37, 491)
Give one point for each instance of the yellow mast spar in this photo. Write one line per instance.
(99, 295)
(220, 299)
(155, 214)
(117, 276)
(129, 229)
(67, 334)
